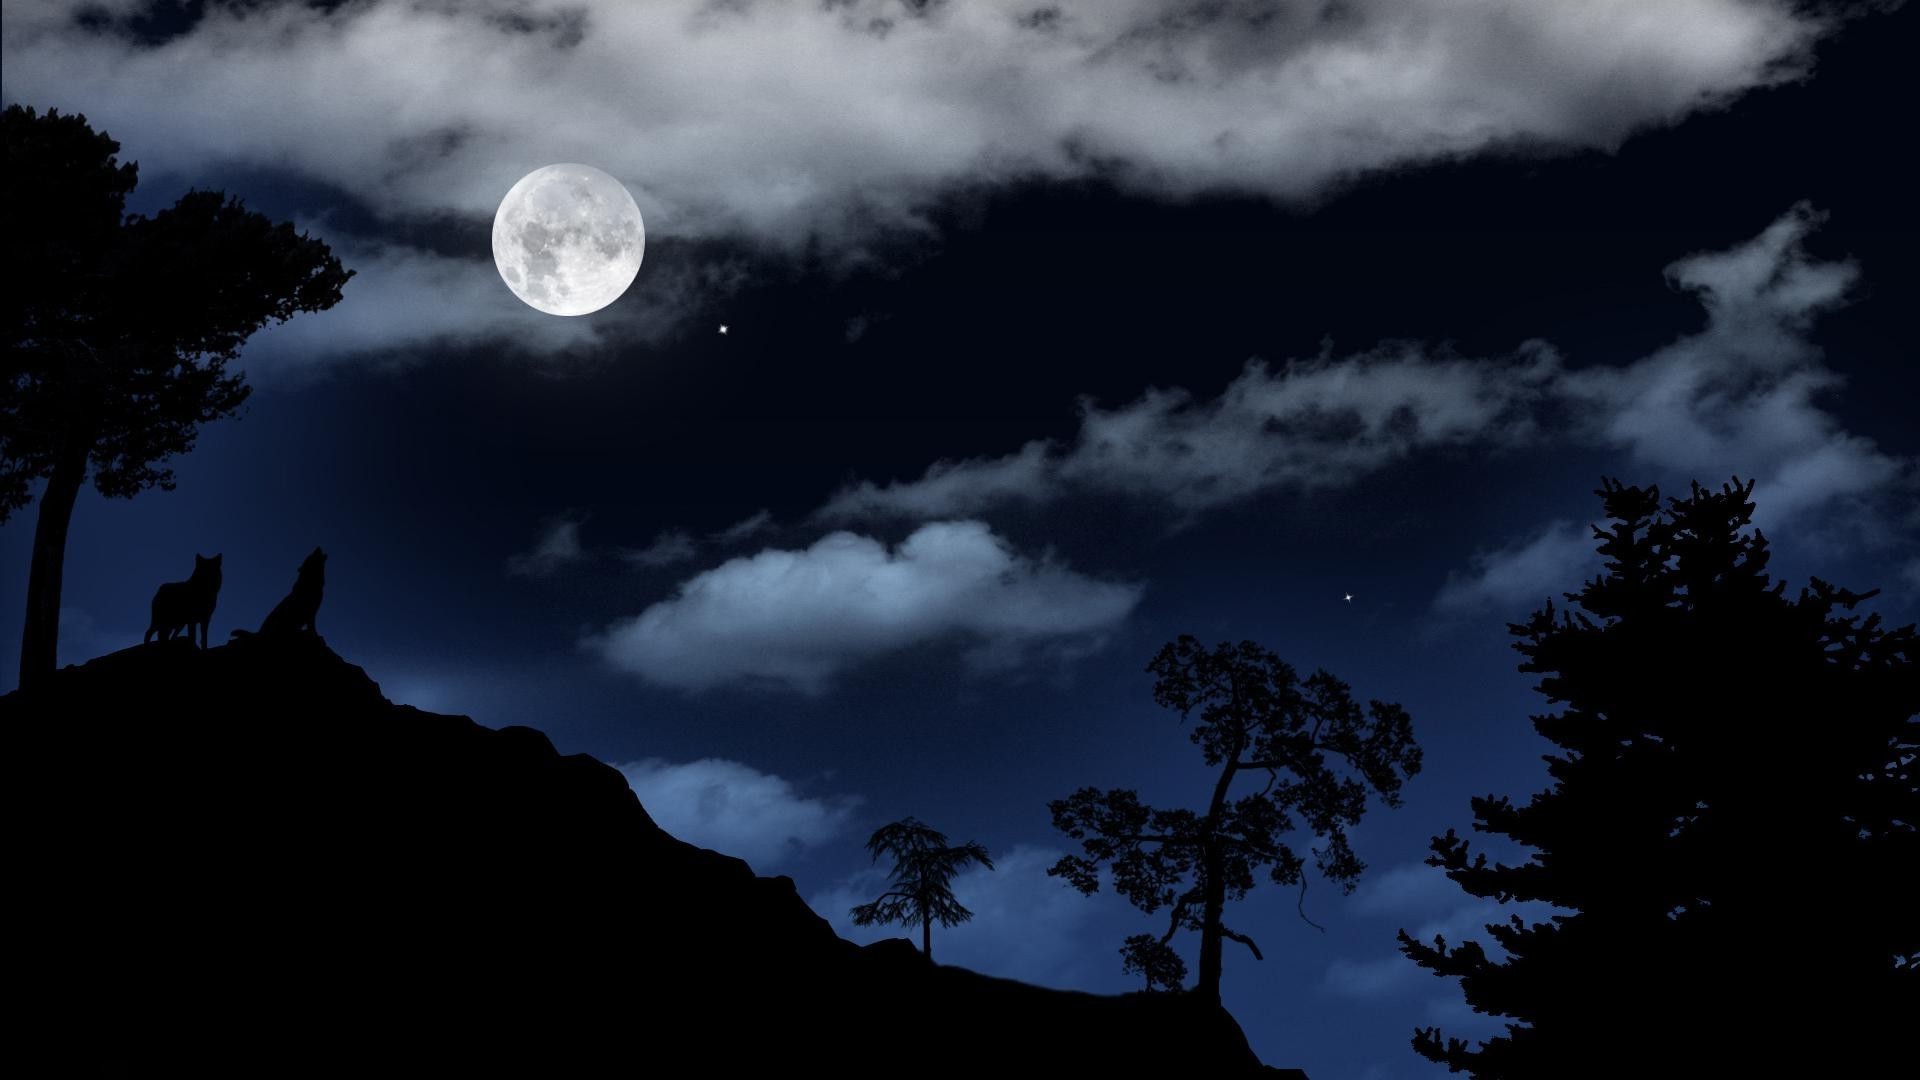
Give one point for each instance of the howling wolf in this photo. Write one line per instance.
(184, 605)
(296, 612)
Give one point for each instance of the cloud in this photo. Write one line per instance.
(780, 119)
(1744, 394)
(1516, 578)
(1371, 978)
(1409, 887)
(737, 810)
(670, 547)
(795, 619)
(1025, 925)
(557, 547)
(1423, 900)
(744, 529)
(1309, 424)
(402, 299)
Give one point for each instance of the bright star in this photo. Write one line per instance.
(723, 328)
(1349, 598)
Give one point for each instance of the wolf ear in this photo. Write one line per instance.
(216, 559)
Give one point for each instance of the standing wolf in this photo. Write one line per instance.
(184, 605)
(297, 611)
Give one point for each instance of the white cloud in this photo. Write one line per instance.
(1025, 925)
(737, 810)
(670, 547)
(797, 618)
(1515, 579)
(401, 299)
(776, 118)
(1747, 394)
(1315, 423)
(1744, 394)
(744, 529)
(558, 546)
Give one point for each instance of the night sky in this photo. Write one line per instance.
(1054, 332)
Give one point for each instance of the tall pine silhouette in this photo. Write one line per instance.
(1731, 821)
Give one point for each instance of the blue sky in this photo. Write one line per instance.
(1048, 341)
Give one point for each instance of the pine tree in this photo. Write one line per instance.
(1730, 824)
(921, 888)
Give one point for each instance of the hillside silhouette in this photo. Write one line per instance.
(247, 860)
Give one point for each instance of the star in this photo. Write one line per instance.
(723, 328)
(1348, 598)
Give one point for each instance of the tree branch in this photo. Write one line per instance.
(1301, 904)
(1229, 932)
(1173, 924)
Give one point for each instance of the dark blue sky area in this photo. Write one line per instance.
(499, 502)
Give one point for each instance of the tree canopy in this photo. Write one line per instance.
(1730, 824)
(1317, 755)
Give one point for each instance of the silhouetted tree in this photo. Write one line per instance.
(117, 331)
(922, 880)
(1731, 822)
(1257, 719)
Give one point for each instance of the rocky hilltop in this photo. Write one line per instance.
(248, 861)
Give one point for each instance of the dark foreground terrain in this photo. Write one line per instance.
(248, 861)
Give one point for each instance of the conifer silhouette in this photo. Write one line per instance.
(922, 883)
(1731, 821)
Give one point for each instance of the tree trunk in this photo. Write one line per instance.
(40, 639)
(1213, 867)
(926, 935)
(1212, 914)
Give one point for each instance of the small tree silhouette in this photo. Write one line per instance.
(1731, 822)
(923, 869)
(117, 330)
(1256, 717)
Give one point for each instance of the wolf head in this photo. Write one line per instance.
(314, 563)
(204, 565)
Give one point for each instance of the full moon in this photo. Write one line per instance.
(567, 239)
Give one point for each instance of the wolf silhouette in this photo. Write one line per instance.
(184, 605)
(296, 612)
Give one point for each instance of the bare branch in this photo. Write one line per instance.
(1235, 935)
